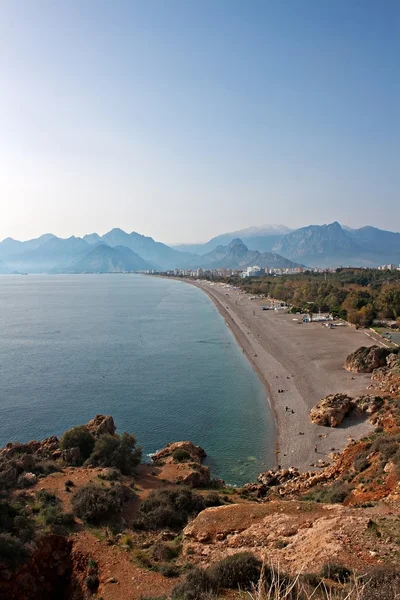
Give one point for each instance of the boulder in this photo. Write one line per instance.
(196, 453)
(365, 360)
(100, 425)
(197, 477)
(273, 478)
(368, 404)
(71, 456)
(331, 410)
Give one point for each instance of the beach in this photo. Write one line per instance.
(305, 360)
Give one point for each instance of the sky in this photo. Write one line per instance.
(184, 119)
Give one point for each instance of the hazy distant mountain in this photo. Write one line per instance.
(53, 254)
(377, 241)
(236, 255)
(92, 238)
(256, 238)
(4, 270)
(104, 259)
(270, 245)
(10, 247)
(331, 245)
(160, 255)
(316, 245)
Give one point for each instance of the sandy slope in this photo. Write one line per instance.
(306, 361)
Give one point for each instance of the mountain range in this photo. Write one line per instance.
(268, 246)
(315, 245)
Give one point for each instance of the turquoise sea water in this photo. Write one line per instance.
(154, 353)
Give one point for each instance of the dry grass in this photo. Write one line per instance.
(279, 588)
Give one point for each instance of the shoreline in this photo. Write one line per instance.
(242, 341)
(270, 340)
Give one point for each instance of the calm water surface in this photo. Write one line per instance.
(154, 353)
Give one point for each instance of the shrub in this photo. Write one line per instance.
(169, 571)
(95, 504)
(169, 508)
(92, 582)
(59, 521)
(118, 451)
(180, 455)
(361, 463)
(198, 585)
(332, 494)
(12, 550)
(162, 551)
(78, 437)
(336, 572)
(240, 570)
(47, 498)
(212, 499)
(111, 474)
(381, 583)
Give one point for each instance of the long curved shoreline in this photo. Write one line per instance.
(243, 342)
(298, 365)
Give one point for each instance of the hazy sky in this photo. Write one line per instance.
(183, 119)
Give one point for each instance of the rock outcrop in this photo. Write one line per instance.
(196, 453)
(331, 410)
(365, 360)
(287, 533)
(100, 425)
(388, 377)
(368, 404)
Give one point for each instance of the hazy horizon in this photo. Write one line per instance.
(184, 120)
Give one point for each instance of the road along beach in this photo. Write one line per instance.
(299, 363)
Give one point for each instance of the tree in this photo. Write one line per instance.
(389, 302)
(78, 437)
(117, 451)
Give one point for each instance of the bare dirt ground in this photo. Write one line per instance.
(303, 359)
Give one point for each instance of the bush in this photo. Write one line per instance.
(336, 572)
(78, 437)
(212, 499)
(92, 582)
(382, 583)
(162, 551)
(118, 451)
(110, 474)
(12, 550)
(169, 571)
(95, 504)
(361, 462)
(335, 493)
(169, 508)
(198, 585)
(180, 455)
(60, 522)
(47, 498)
(240, 570)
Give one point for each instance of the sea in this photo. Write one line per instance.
(154, 353)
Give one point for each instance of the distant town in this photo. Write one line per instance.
(255, 271)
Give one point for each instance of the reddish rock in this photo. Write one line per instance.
(100, 425)
(196, 453)
(331, 410)
(365, 360)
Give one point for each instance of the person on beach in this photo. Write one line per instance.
(315, 448)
